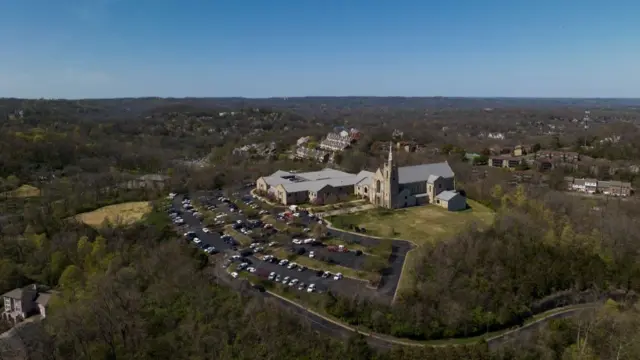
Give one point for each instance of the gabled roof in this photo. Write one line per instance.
(447, 195)
(419, 173)
(432, 178)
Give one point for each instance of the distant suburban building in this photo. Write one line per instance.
(303, 141)
(507, 162)
(340, 140)
(564, 156)
(521, 150)
(594, 186)
(314, 154)
(149, 181)
(390, 186)
(21, 303)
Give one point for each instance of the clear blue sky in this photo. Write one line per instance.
(263, 48)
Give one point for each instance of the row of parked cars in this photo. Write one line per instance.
(209, 249)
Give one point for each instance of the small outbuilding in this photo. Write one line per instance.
(451, 200)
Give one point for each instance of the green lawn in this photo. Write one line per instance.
(420, 224)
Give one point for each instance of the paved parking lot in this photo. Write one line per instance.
(390, 277)
(345, 286)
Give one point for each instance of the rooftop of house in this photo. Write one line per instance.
(447, 195)
(33, 292)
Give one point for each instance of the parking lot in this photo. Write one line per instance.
(345, 286)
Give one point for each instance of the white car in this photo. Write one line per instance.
(273, 243)
(204, 229)
(283, 262)
(234, 275)
(251, 269)
(286, 279)
(292, 266)
(197, 241)
(309, 240)
(297, 241)
(312, 254)
(338, 276)
(311, 288)
(306, 230)
(293, 282)
(272, 276)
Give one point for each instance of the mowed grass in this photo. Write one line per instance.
(420, 224)
(124, 213)
(23, 191)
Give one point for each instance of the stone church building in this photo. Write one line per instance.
(395, 187)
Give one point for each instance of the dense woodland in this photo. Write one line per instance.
(137, 292)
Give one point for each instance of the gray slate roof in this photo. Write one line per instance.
(314, 180)
(420, 173)
(447, 195)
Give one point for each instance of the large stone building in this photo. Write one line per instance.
(390, 186)
(395, 187)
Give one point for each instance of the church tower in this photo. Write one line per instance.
(390, 173)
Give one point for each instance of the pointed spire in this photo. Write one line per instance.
(390, 151)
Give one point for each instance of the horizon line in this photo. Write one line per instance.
(329, 96)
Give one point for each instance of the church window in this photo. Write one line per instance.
(378, 186)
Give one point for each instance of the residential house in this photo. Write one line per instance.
(314, 154)
(303, 141)
(336, 141)
(521, 150)
(543, 164)
(148, 181)
(615, 188)
(20, 303)
(564, 156)
(593, 186)
(507, 162)
(407, 146)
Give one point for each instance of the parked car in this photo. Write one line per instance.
(234, 275)
(311, 288)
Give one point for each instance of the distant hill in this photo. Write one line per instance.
(132, 107)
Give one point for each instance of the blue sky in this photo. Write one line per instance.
(264, 48)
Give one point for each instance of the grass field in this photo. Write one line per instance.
(23, 192)
(420, 224)
(243, 239)
(125, 213)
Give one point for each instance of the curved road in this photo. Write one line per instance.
(334, 328)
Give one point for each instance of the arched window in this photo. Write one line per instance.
(378, 186)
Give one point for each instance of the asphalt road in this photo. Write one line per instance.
(331, 328)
